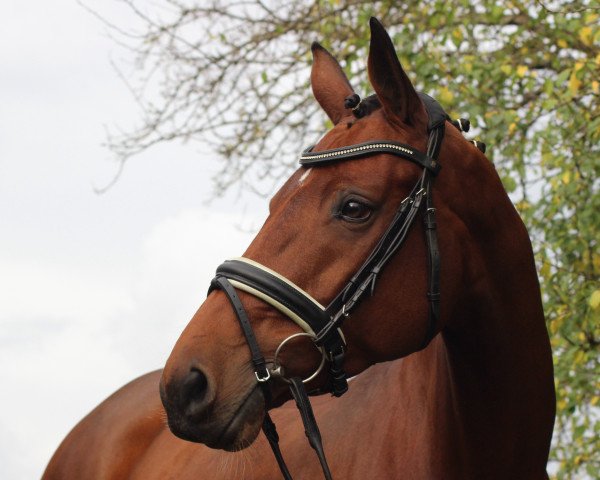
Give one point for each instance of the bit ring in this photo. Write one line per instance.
(277, 369)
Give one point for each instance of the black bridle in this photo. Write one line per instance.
(323, 324)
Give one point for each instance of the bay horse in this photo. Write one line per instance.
(467, 396)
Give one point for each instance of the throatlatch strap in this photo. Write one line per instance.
(434, 144)
(310, 424)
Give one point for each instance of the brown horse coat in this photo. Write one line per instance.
(476, 403)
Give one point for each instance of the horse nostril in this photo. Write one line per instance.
(196, 384)
(195, 392)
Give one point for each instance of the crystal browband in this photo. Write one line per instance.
(310, 158)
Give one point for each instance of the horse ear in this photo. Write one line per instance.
(398, 97)
(329, 83)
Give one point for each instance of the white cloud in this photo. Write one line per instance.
(47, 288)
(178, 260)
(73, 334)
(94, 290)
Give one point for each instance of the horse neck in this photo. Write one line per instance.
(492, 362)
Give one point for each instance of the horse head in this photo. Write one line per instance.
(323, 225)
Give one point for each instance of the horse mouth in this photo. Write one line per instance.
(245, 424)
(233, 434)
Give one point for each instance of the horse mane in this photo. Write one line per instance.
(366, 106)
(362, 108)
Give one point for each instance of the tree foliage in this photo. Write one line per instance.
(234, 73)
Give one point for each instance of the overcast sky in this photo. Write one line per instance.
(94, 289)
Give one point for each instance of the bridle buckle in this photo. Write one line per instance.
(265, 378)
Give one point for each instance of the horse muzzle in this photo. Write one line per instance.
(195, 414)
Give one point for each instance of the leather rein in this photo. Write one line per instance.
(322, 324)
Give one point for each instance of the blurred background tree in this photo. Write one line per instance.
(233, 75)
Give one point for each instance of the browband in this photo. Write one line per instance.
(310, 158)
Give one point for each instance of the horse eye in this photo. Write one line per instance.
(354, 211)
